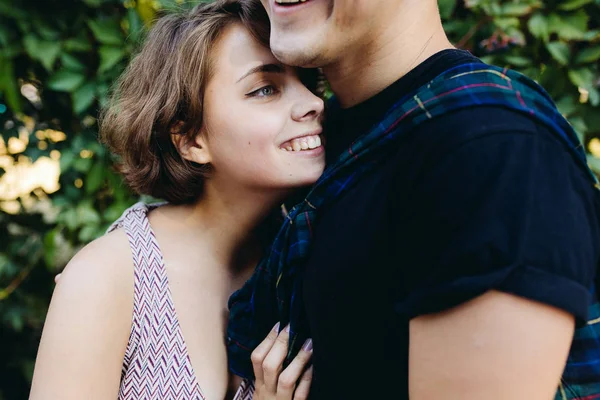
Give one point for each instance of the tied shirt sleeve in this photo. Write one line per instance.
(508, 211)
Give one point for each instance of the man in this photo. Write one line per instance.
(457, 268)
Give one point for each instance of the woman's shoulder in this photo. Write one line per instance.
(89, 321)
(109, 255)
(101, 271)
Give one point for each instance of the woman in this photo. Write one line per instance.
(206, 118)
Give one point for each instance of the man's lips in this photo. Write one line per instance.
(283, 7)
(290, 2)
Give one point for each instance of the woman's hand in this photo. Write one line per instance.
(272, 381)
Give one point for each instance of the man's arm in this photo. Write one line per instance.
(88, 325)
(496, 346)
(504, 249)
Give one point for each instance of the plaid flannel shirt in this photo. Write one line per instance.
(274, 293)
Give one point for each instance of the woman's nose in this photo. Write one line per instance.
(309, 107)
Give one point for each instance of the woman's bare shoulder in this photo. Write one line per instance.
(108, 256)
(100, 272)
(88, 323)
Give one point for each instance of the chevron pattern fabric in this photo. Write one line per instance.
(156, 363)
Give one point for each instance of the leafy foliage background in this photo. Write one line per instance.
(58, 58)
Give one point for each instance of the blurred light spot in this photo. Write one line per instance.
(78, 183)
(55, 136)
(31, 93)
(594, 147)
(2, 108)
(22, 177)
(40, 135)
(584, 95)
(10, 207)
(16, 145)
(9, 124)
(55, 154)
(88, 121)
(85, 154)
(42, 145)
(28, 121)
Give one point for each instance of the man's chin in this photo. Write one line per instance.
(296, 56)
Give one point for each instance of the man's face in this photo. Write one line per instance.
(316, 33)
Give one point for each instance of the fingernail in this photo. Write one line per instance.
(287, 328)
(307, 346)
(276, 327)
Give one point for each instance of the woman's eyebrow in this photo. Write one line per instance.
(277, 68)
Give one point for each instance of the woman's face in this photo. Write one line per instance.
(262, 126)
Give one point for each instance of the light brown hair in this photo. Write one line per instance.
(161, 92)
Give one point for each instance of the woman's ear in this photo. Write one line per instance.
(192, 149)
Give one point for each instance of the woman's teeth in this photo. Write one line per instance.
(303, 143)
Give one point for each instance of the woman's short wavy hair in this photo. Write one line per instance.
(161, 92)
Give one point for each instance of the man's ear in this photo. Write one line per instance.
(192, 149)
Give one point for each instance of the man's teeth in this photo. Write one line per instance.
(290, 1)
(303, 143)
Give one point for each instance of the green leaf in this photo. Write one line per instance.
(566, 105)
(66, 160)
(506, 23)
(592, 118)
(87, 233)
(45, 52)
(69, 218)
(82, 165)
(8, 84)
(46, 30)
(594, 96)
(582, 77)
(93, 3)
(84, 97)
(107, 31)
(570, 27)
(50, 248)
(516, 9)
(517, 61)
(447, 7)
(560, 52)
(71, 62)
(11, 11)
(136, 25)
(588, 55)
(594, 163)
(592, 35)
(5, 35)
(48, 53)
(538, 26)
(95, 178)
(580, 128)
(87, 215)
(109, 57)
(571, 5)
(78, 43)
(65, 80)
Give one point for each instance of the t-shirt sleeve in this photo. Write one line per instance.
(510, 211)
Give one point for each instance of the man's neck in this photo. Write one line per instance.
(412, 37)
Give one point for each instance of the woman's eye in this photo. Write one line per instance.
(265, 91)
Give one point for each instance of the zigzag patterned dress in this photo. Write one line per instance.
(157, 364)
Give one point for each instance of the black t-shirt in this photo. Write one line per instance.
(475, 200)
